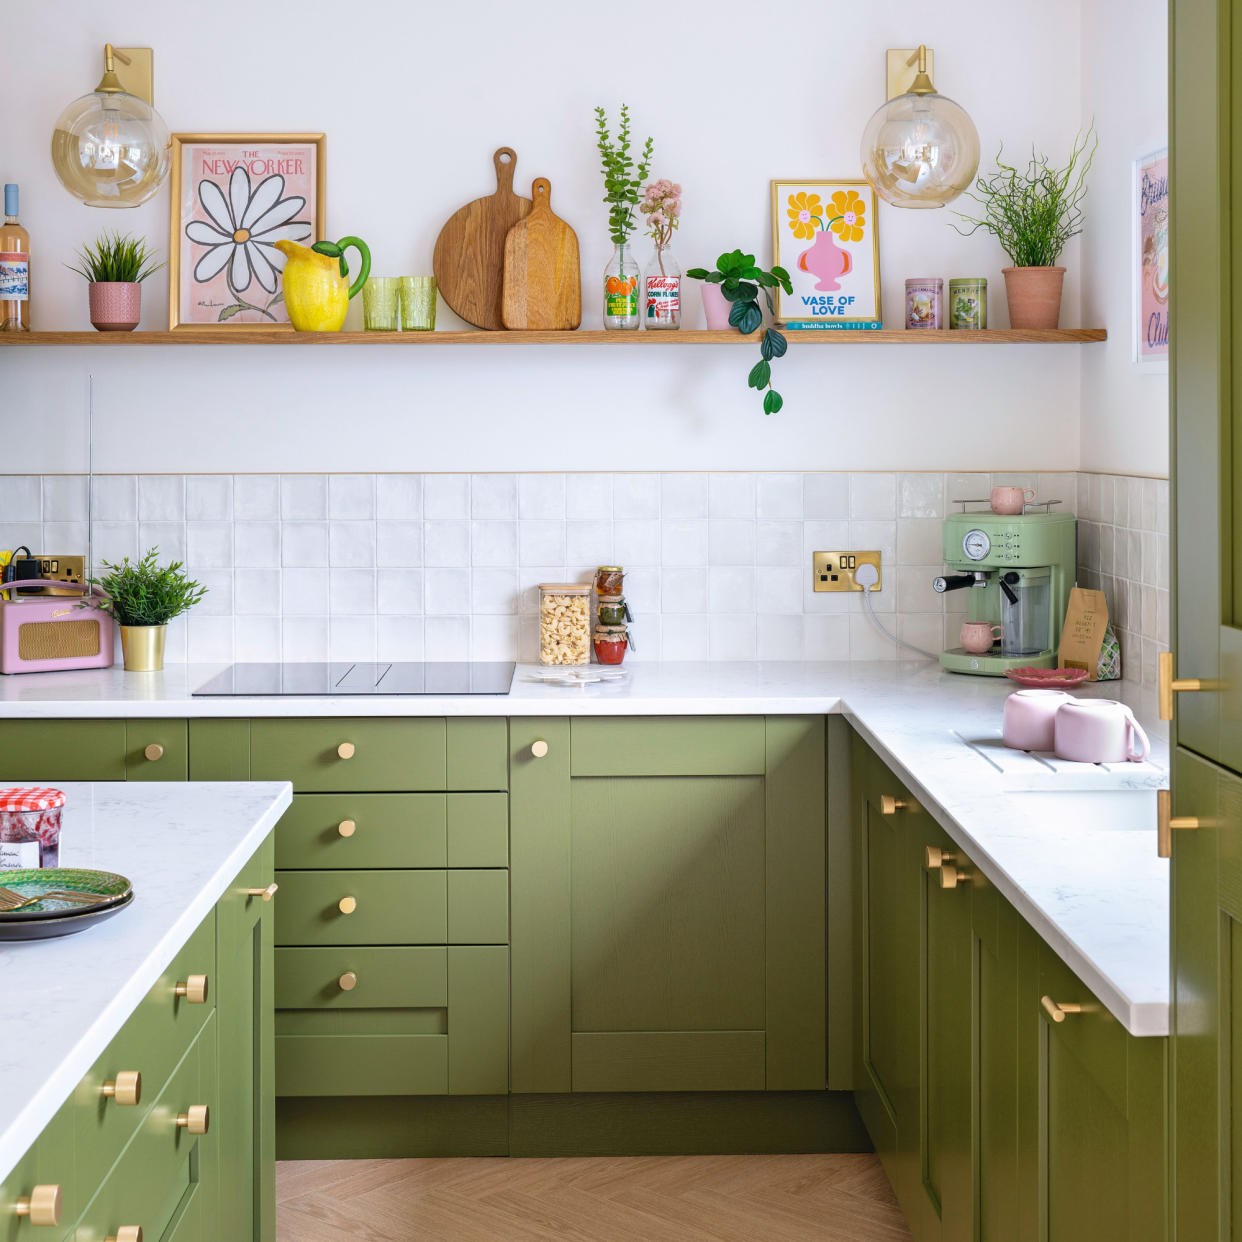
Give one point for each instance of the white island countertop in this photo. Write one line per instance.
(1080, 867)
(65, 999)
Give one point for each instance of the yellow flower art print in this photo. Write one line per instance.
(849, 212)
(805, 215)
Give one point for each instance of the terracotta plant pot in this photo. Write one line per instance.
(715, 306)
(116, 306)
(1034, 296)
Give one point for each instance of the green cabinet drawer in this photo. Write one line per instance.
(694, 746)
(478, 753)
(62, 750)
(362, 907)
(152, 1042)
(478, 907)
(383, 754)
(344, 830)
(49, 1162)
(323, 1065)
(478, 830)
(383, 978)
(156, 750)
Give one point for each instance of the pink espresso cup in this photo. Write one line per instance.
(1030, 718)
(1099, 731)
(977, 637)
(1011, 500)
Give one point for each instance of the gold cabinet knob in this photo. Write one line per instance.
(538, 749)
(42, 1206)
(934, 858)
(266, 894)
(126, 1233)
(125, 1088)
(347, 905)
(348, 981)
(346, 828)
(951, 876)
(890, 805)
(154, 751)
(1167, 685)
(194, 989)
(1057, 1010)
(1167, 823)
(195, 1120)
(346, 750)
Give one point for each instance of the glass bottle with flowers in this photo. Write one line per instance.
(662, 286)
(621, 182)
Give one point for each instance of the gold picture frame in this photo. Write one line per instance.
(831, 287)
(279, 160)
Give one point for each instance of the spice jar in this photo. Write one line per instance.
(612, 610)
(968, 302)
(564, 623)
(923, 298)
(610, 643)
(608, 580)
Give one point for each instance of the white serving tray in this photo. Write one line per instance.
(1033, 771)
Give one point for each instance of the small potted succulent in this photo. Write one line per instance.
(144, 598)
(1033, 212)
(115, 266)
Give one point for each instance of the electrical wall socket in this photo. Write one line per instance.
(834, 571)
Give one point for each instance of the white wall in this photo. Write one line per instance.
(413, 105)
(1125, 408)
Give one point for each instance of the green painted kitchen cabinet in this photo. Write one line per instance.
(93, 750)
(668, 898)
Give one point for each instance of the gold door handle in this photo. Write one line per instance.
(195, 1120)
(539, 749)
(346, 828)
(348, 981)
(1057, 1011)
(934, 858)
(126, 1233)
(125, 1088)
(1167, 822)
(194, 989)
(890, 805)
(347, 905)
(42, 1206)
(951, 876)
(346, 750)
(266, 894)
(1167, 685)
(154, 751)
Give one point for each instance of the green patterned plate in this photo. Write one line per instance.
(30, 883)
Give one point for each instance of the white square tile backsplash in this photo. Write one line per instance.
(396, 566)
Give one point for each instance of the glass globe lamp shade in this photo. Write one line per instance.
(111, 149)
(920, 150)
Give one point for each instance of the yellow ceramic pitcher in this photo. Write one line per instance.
(317, 290)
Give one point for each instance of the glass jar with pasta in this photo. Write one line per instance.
(564, 623)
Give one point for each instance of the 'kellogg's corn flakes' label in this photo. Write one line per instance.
(620, 296)
(663, 298)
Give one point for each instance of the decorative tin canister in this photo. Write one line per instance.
(923, 298)
(968, 302)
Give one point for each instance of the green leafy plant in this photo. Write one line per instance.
(117, 258)
(741, 282)
(621, 179)
(146, 593)
(1033, 211)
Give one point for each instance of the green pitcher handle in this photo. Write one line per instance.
(336, 250)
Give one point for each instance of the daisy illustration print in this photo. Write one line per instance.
(237, 204)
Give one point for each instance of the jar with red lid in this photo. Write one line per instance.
(29, 814)
(610, 643)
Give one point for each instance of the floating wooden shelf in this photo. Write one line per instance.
(688, 336)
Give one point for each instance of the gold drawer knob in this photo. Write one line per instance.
(348, 981)
(890, 805)
(43, 1206)
(347, 905)
(266, 894)
(154, 751)
(126, 1233)
(346, 828)
(951, 876)
(195, 1120)
(539, 749)
(194, 989)
(346, 750)
(1057, 1011)
(934, 858)
(125, 1088)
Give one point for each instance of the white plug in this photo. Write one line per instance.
(866, 576)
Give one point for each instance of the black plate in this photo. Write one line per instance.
(61, 924)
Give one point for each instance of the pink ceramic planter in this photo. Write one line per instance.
(116, 306)
(716, 306)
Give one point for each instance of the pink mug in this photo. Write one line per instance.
(1030, 718)
(1099, 731)
(977, 637)
(1011, 499)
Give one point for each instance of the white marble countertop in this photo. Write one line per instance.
(1080, 867)
(65, 1000)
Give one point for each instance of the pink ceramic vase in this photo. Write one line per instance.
(116, 306)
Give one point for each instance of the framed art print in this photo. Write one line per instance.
(824, 236)
(1151, 260)
(233, 197)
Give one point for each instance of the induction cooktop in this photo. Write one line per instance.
(327, 680)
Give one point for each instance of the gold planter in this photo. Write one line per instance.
(143, 647)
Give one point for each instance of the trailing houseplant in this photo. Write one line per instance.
(1033, 212)
(115, 265)
(622, 180)
(144, 597)
(740, 283)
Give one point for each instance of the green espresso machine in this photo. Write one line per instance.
(1019, 570)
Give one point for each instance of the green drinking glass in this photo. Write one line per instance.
(418, 303)
(380, 304)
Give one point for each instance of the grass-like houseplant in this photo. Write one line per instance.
(1033, 212)
(144, 597)
(114, 266)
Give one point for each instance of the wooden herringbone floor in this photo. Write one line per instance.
(639, 1199)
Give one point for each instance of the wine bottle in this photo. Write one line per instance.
(14, 268)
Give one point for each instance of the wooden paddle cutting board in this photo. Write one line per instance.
(542, 286)
(469, 258)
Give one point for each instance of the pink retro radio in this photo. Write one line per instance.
(51, 633)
